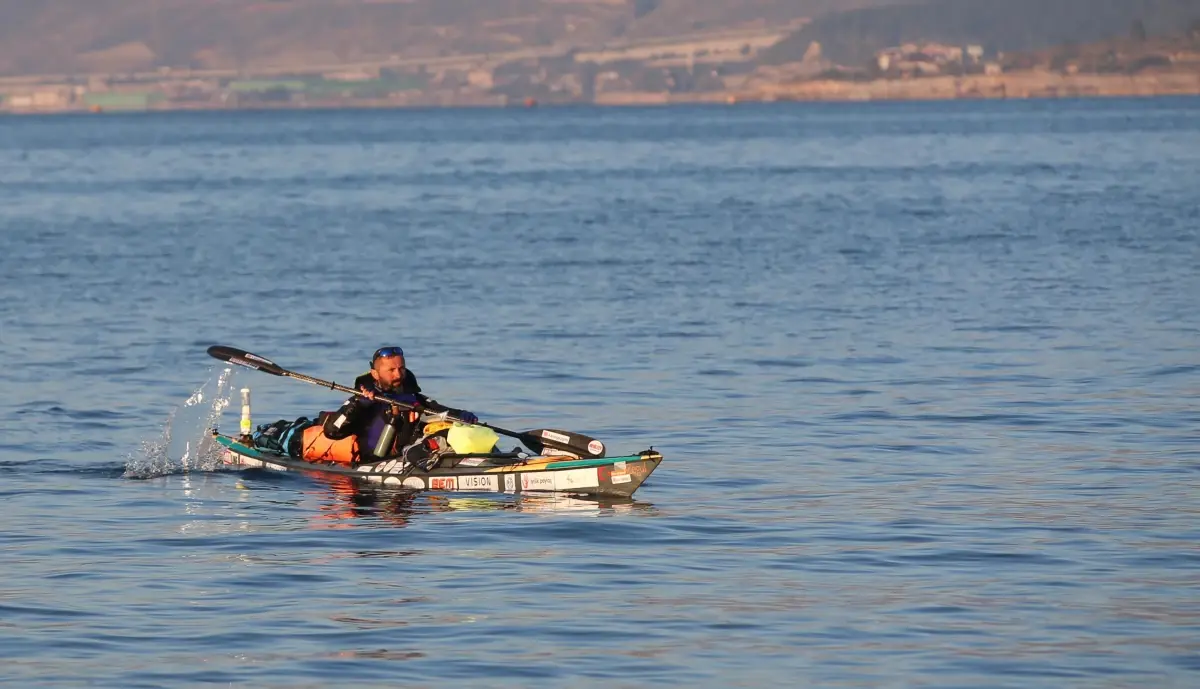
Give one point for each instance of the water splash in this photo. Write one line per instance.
(186, 442)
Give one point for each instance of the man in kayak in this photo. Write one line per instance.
(382, 429)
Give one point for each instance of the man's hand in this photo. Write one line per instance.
(413, 415)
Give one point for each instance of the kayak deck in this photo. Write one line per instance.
(497, 473)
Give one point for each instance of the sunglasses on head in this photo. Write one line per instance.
(384, 352)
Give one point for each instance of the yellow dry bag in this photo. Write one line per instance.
(471, 440)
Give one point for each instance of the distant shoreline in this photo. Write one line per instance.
(1031, 85)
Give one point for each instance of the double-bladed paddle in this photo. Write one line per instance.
(537, 440)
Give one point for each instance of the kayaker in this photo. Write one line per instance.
(380, 429)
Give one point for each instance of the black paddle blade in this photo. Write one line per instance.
(243, 358)
(575, 443)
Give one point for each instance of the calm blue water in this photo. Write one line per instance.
(925, 376)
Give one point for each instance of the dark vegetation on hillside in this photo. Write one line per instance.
(853, 37)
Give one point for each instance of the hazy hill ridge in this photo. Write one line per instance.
(66, 36)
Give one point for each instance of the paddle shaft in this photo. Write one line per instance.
(377, 397)
(388, 400)
(249, 360)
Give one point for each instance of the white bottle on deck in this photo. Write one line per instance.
(246, 427)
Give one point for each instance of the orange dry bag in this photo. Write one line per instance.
(318, 448)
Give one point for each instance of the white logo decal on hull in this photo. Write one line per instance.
(576, 478)
(477, 483)
(537, 482)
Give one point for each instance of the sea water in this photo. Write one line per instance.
(925, 377)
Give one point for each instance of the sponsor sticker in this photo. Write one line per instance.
(576, 478)
(619, 466)
(510, 483)
(556, 437)
(443, 483)
(471, 462)
(477, 483)
(621, 478)
(539, 481)
(414, 482)
(596, 448)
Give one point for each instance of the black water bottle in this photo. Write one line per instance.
(383, 446)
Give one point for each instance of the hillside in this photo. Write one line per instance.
(81, 36)
(853, 37)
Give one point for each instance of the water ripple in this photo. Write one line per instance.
(924, 375)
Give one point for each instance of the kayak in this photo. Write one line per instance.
(475, 473)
